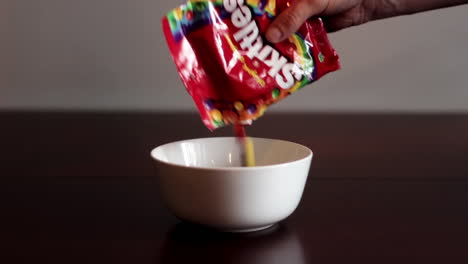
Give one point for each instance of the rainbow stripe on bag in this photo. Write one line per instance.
(198, 13)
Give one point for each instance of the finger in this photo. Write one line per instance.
(337, 22)
(353, 17)
(292, 18)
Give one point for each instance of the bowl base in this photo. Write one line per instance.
(247, 230)
(227, 230)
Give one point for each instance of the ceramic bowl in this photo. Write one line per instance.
(202, 181)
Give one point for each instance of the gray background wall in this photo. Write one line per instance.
(110, 54)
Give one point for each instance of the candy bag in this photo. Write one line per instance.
(232, 73)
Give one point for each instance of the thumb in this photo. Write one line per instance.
(292, 18)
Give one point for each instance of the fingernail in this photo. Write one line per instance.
(274, 35)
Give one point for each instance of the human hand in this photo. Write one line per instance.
(337, 14)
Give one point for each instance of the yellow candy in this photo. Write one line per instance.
(238, 106)
(249, 152)
(262, 109)
(216, 115)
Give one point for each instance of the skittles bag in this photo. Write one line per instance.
(232, 73)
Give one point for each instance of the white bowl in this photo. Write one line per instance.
(202, 181)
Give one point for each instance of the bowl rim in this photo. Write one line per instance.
(240, 168)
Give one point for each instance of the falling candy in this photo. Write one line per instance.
(247, 144)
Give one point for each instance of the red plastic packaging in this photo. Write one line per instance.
(232, 73)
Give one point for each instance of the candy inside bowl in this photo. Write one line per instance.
(202, 181)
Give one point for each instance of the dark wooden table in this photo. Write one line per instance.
(80, 188)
